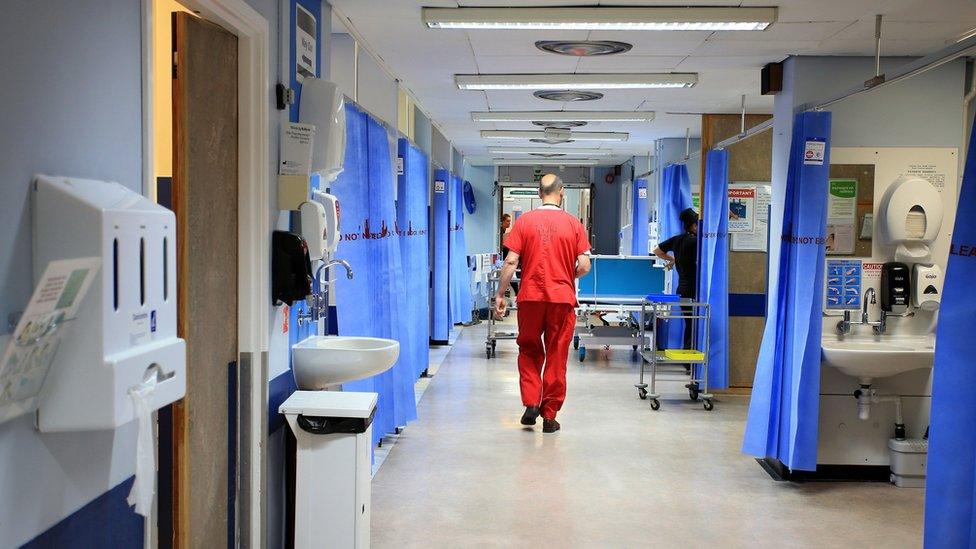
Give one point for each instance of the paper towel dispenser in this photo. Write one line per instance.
(910, 216)
(125, 329)
(322, 105)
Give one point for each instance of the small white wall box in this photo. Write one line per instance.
(125, 331)
(908, 459)
(927, 286)
(910, 216)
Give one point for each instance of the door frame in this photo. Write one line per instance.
(254, 221)
(502, 185)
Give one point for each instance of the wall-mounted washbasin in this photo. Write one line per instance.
(871, 356)
(324, 361)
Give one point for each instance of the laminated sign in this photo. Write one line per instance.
(742, 208)
(814, 152)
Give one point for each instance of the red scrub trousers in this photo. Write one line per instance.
(545, 332)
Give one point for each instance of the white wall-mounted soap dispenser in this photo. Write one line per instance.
(910, 217)
(926, 286)
(124, 337)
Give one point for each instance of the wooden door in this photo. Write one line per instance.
(205, 191)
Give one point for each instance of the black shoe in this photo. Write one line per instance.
(549, 425)
(530, 415)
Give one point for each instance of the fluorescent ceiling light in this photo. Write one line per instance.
(603, 18)
(563, 116)
(549, 150)
(574, 81)
(575, 136)
(545, 162)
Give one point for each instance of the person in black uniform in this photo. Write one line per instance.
(681, 251)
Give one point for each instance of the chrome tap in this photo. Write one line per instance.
(318, 302)
(332, 263)
(864, 304)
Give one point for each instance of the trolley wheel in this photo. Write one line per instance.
(655, 404)
(708, 404)
(693, 392)
(575, 342)
(634, 347)
(487, 353)
(642, 393)
(582, 354)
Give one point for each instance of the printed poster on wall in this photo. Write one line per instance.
(742, 208)
(304, 44)
(844, 280)
(841, 216)
(756, 241)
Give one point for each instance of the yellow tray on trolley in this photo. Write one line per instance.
(683, 354)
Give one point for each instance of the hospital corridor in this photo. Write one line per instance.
(341, 274)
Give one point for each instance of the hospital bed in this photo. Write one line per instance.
(610, 296)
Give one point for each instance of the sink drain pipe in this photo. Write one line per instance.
(866, 397)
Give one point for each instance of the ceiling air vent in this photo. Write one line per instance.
(550, 141)
(568, 95)
(563, 125)
(583, 48)
(547, 155)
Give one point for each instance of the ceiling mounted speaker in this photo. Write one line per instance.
(568, 95)
(583, 48)
(562, 125)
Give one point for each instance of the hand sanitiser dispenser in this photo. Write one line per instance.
(124, 337)
(926, 286)
(320, 224)
(895, 287)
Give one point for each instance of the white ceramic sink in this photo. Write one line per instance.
(324, 361)
(869, 357)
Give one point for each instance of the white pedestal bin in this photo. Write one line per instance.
(332, 484)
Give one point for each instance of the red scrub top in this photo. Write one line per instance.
(548, 241)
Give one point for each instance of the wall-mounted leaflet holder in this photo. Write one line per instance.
(125, 339)
(28, 355)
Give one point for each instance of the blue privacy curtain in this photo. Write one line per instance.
(675, 197)
(951, 484)
(460, 279)
(366, 305)
(440, 313)
(785, 405)
(412, 192)
(638, 241)
(713, 265)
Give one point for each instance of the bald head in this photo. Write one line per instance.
(550, 186)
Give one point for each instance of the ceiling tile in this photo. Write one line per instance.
(629, 63)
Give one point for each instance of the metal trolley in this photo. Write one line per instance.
(496, 332)
(651, 312)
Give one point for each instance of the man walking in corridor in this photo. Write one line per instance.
(553, 249)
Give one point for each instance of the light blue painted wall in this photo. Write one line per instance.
(673, 149)
(481, 227)
(70, 104)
